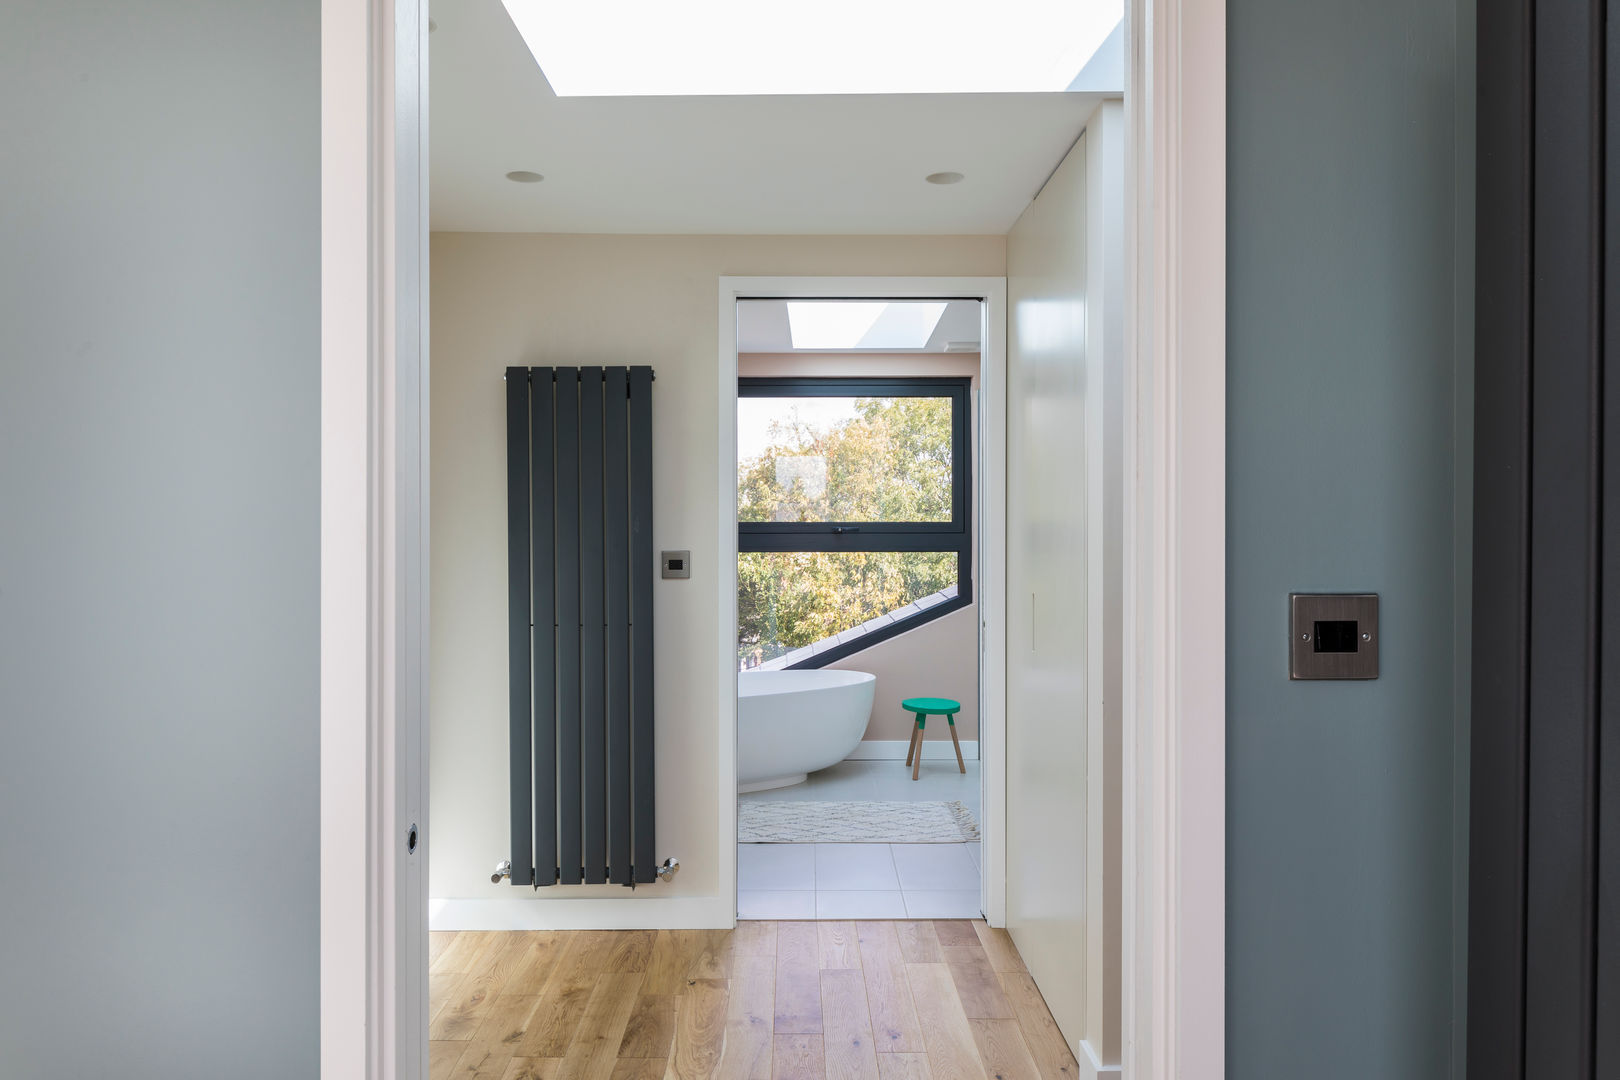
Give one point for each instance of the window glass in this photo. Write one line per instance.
(787, 601)
(873, 459)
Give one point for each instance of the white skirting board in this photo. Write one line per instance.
(935, 748)
(528, 911)
(1093, 1069)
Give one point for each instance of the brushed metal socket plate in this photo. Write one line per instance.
(675, 564)
(1334, 636)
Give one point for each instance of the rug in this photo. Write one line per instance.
(771, 822)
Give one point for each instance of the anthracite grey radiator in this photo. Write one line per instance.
(579, 573)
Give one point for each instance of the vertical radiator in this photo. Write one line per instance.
(579, 574)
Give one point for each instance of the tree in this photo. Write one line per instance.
(890, 461)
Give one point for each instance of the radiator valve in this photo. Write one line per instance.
(503, 870)
(670, 868)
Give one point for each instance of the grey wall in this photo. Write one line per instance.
(1349, 145)
(159, 563)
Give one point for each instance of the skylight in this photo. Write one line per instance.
(657, 48)
(861, 324)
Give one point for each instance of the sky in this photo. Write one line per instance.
(754, 416)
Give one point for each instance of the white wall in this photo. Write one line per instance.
(501, 299)
(1065, 358)
(159, 539)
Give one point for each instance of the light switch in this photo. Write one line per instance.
(1334, 636)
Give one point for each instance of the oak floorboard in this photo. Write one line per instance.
(750, 1008)
(888, 995)
(952, 1053)
(595, 1048)
(507, 1021)
(977, 985)
(504, 956)
(638, 1069)
(700, 1031)
(442, 1057)
(918, 942)
(956, 954)
(798, 1057)
(438, 941)
(999, 947)
(1046, 1043)
(839, 948)
(755, 938)
(955, 932)
(468, 1003)
(533, 966)
(651, 1028)
(798, 980)
(532, 1069)
(463, 952)
(567, 992)
(672, 955)
(631, 950)
(712, 960)
(903, 1067)
(1002, 1047)
(495, 1042)
(440, 987)
(847, 1043)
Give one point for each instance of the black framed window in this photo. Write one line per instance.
(854, 506)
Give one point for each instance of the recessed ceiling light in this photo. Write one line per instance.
(862, 324)
(524, 176)
(944, 178)
(653, 47)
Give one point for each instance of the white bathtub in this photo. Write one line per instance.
(791, 723)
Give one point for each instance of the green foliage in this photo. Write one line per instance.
(890, 462)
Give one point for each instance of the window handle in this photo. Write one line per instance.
(841, 529)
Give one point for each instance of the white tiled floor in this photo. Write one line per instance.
(865, 881)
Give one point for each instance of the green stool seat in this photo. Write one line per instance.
(925, 707)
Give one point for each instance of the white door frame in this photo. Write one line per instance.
(990, 500)
(1174, 812)
(374, 537)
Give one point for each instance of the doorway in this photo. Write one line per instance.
(1155, 436)
(858, 622)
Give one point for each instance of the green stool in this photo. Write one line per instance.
(925, 707)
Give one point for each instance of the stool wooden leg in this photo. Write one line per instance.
(911, 747)
(960, 764)
(916, 767)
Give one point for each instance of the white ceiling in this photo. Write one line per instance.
(762, 327)
(714, 165)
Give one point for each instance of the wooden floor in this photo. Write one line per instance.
(942, 1000)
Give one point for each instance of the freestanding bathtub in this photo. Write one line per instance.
(791, 723)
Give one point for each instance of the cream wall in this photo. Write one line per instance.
(502, 299)
(936, 659)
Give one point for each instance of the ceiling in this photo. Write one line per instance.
(715, 165)
(762, 327)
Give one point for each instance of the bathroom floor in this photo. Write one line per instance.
(865, 881)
